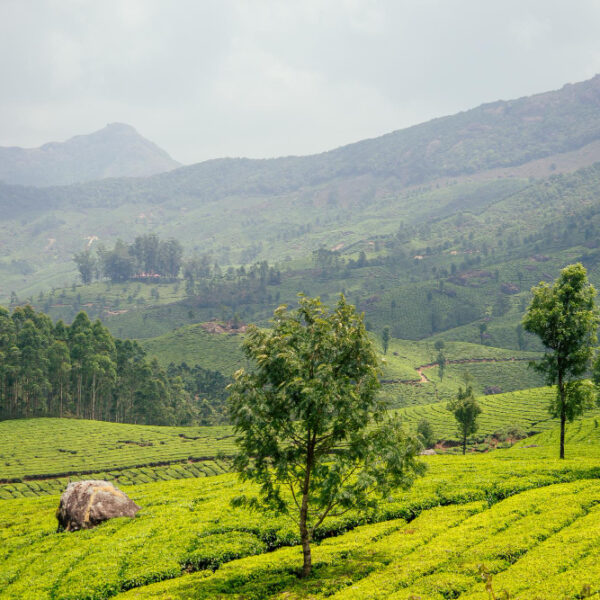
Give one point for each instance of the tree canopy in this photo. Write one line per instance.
(305, 414)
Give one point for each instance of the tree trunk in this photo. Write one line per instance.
(305, 537)
(304, 532)
(464, 444)
(563, 416)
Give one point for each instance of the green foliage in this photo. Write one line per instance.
(565, 318)
(303, 418)
(385, 339)
(147, 258)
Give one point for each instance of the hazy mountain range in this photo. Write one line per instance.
(118, 150)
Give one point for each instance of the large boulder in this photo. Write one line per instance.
(85, 504)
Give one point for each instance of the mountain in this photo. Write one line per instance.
(454, 184)
(118, 150)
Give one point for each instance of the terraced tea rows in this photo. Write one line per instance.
(189, 525)
(527, 409)
(132, 454)
(178, 470)
(44, 448)
(541, 541)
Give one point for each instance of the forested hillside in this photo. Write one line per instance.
(282, 210)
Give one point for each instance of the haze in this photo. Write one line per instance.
(269, 78)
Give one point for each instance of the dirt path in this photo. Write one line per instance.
(460, 361)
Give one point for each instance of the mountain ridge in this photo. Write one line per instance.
(117, 150)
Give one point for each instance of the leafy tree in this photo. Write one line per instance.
(466, 410)
(304, 419)
(385, 339)
(565, 318)
(441, 358)
(117, 264)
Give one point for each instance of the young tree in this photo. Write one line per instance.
(426, 434)
(482, 330)
(564, 317)
(466, 410)
(441, 358)
(385, 339)
(304, 419)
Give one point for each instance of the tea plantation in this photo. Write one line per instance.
(529, 518)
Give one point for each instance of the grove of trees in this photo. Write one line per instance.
(81, 370)
(147, 257)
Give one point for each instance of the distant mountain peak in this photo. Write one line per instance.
(117, 150)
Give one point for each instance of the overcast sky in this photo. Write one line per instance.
(262, 78)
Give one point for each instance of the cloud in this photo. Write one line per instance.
(265, 78)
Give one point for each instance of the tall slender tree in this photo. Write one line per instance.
(565, 318)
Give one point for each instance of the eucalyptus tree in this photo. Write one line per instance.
(8, 350)
(59, 367)
(311, 429)
(565, 318)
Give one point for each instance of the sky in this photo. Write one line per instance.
(262, 78)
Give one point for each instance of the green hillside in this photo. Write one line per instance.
(131, 454)
(510, 510)
(526, 410)
(195, 345)
(455, 181)
(439, 275)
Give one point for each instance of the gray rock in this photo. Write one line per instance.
(428, 452)
(85, 504)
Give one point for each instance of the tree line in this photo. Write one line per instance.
(82, 371)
